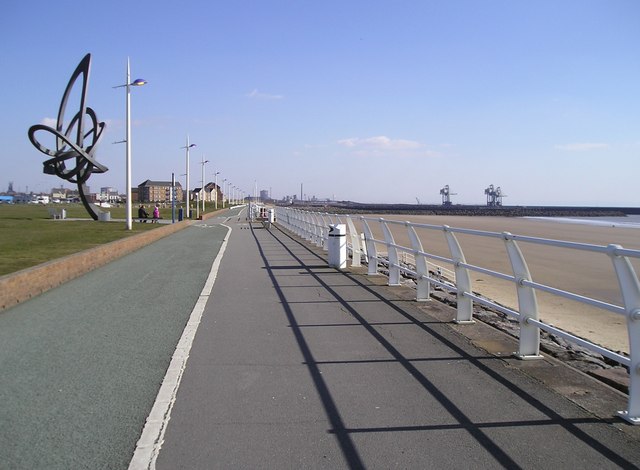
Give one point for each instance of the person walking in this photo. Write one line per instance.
(156, 214)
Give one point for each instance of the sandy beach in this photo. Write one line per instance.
(588, 274)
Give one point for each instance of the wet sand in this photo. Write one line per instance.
(588, 274)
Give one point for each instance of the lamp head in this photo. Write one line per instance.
(139, 82)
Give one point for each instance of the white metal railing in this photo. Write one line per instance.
(420, 264)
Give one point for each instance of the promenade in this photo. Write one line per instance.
(293, 365)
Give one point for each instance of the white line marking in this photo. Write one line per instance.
(152, 437)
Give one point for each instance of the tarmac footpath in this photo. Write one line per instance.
(81, 364)
(299, 365)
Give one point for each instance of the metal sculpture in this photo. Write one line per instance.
(66, 147)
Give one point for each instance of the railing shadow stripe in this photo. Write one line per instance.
(457, 427)
(482, 438)
(347, 446)
(567, 424)
(394, 361)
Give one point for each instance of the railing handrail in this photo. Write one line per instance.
(314, 227)
(618, 251)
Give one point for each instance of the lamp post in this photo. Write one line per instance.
(224, 191)
(188, 196)
(202, 190)
(215, 187)
(173, 198)
(128, 84)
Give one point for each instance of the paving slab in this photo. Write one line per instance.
(298, 365)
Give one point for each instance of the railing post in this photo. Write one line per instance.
(308, 226)
(295, 221)
(372, 251)
(299, 224)
(302, 224)
(315, 229)
(325, 230)
(423, 287)
(529, 344)
(305, 228)
(630, 288)
(356, 252)
(464, 311)
(392, 254)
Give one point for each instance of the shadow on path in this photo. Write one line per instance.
(491, 370)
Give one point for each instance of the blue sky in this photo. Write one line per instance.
(371, 101)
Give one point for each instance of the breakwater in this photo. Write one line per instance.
(469, 210)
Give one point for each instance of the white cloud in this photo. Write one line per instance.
(383, 146)
(255, 94)
(51, 122)
(582, 146)
(380, 142)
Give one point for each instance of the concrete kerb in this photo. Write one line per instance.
(25, 284)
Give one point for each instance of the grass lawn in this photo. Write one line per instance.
(28, 236)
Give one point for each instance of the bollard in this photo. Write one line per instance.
(271, 218)
(338, 246)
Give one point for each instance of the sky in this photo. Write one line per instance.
(368, 101)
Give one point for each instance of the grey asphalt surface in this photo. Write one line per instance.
(294, 365)
(297, 365)
(80, 365)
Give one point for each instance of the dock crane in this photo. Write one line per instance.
(494, 196)
(446, 195)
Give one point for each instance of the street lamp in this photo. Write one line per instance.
(224, 191)
(215, 184)
(128, 85)
(173, 198)
(188, 196)
(202, 189)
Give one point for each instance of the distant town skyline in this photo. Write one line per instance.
(365, 101)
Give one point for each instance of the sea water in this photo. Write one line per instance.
(630, 221)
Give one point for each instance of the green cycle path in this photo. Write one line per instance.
(291, 364)
(80, 365)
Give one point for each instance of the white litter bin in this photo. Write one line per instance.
(338, 246)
